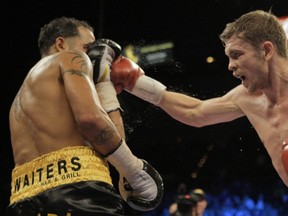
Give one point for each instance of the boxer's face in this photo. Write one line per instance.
(81, 42)
(247, 63)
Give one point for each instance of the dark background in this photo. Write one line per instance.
(216, 155)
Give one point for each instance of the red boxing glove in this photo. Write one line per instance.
(125, 74)
(285, 156)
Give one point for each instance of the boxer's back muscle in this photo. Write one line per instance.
(41, 120)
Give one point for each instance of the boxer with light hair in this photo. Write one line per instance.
(256, 45)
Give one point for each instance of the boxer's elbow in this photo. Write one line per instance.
(88, 123)
(198, 123)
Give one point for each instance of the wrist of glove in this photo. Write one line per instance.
(127, 75)
(148, 89)
(108, 96)
(102, 53)
(140, 185)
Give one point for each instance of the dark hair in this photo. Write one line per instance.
(256, 27)
(59, 27)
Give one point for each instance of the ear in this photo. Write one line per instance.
(269, 49)
(60, 44)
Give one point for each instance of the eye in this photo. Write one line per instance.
(235, 55)
(86, 47)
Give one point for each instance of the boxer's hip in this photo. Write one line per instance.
(80, 198)
(65, 166)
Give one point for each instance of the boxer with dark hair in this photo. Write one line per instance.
(65, 130)
(256, 46)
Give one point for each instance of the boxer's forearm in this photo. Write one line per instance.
(116, 118)
(181, 107)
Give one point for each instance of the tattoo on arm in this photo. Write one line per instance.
(80, 62)
(103, 136)
(76, 72)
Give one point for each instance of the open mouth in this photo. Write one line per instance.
(242, 78)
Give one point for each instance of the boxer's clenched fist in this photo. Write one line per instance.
(127, 75)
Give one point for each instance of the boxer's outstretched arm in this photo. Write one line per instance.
(199, 113)
(127, 75)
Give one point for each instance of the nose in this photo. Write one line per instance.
(232, 66)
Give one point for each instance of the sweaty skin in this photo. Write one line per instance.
(57, 105)
(262, 97)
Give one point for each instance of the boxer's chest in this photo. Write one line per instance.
(271, 123)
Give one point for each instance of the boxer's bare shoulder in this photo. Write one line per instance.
(41, 110)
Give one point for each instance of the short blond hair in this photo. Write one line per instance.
(257, 27)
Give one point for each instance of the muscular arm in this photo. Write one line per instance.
(127, 75)
(92, 120)
(199, 113)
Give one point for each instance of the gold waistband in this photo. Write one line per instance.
(69, 165)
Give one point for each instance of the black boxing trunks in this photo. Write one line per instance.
(74, 181)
